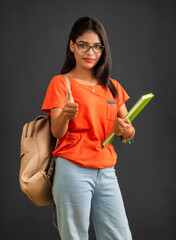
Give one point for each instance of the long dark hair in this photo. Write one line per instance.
(103, 67)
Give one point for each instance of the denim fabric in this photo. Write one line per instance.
(81, 192)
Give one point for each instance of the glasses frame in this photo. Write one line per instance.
(78, 44)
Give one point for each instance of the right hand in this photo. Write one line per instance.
(70, 110)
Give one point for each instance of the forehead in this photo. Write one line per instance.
(89, 37)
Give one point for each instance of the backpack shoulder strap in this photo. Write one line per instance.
(68, 83)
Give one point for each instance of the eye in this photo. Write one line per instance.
(97, 46)
(83, 45)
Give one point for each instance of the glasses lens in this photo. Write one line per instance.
(83, 47)
(98, 48)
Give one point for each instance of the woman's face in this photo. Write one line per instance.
(86, 60)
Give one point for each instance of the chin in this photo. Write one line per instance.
(89, 65)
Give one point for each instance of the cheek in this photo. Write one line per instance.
(77, 55)
(98, 58)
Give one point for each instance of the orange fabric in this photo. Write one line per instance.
(97, 111)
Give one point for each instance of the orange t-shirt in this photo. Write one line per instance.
(94, 122)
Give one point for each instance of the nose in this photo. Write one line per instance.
(90, 51)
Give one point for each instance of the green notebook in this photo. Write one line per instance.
(135, 110)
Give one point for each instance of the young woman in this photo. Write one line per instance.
(85, 182)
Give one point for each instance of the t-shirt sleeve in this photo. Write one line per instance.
(55, 95)
(122, 95)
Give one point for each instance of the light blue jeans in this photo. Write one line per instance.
(81, 192)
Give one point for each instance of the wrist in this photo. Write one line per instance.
(132, 135)
(132, 132)
(128, 137)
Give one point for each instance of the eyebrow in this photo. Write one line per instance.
(88, 43)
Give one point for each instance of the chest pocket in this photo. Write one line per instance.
(111, 113)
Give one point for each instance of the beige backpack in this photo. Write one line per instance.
(37, 161)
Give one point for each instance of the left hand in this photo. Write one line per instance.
(124, 128)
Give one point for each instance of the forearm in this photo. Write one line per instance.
(59, 126)
(60, 118)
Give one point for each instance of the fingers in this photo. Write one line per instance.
(118, 126)
(70, 105)
(119, 122)
(71, 108)
(122, 121)
(126, 120)
(123, 127)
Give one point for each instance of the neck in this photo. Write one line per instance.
(85, 74)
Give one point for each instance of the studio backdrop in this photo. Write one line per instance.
(142, 37)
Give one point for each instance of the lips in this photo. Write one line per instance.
(90, 60)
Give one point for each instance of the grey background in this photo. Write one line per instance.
(142, 36)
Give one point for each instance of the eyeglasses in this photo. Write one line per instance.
(85, 48)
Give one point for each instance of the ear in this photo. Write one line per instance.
(71, 46)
